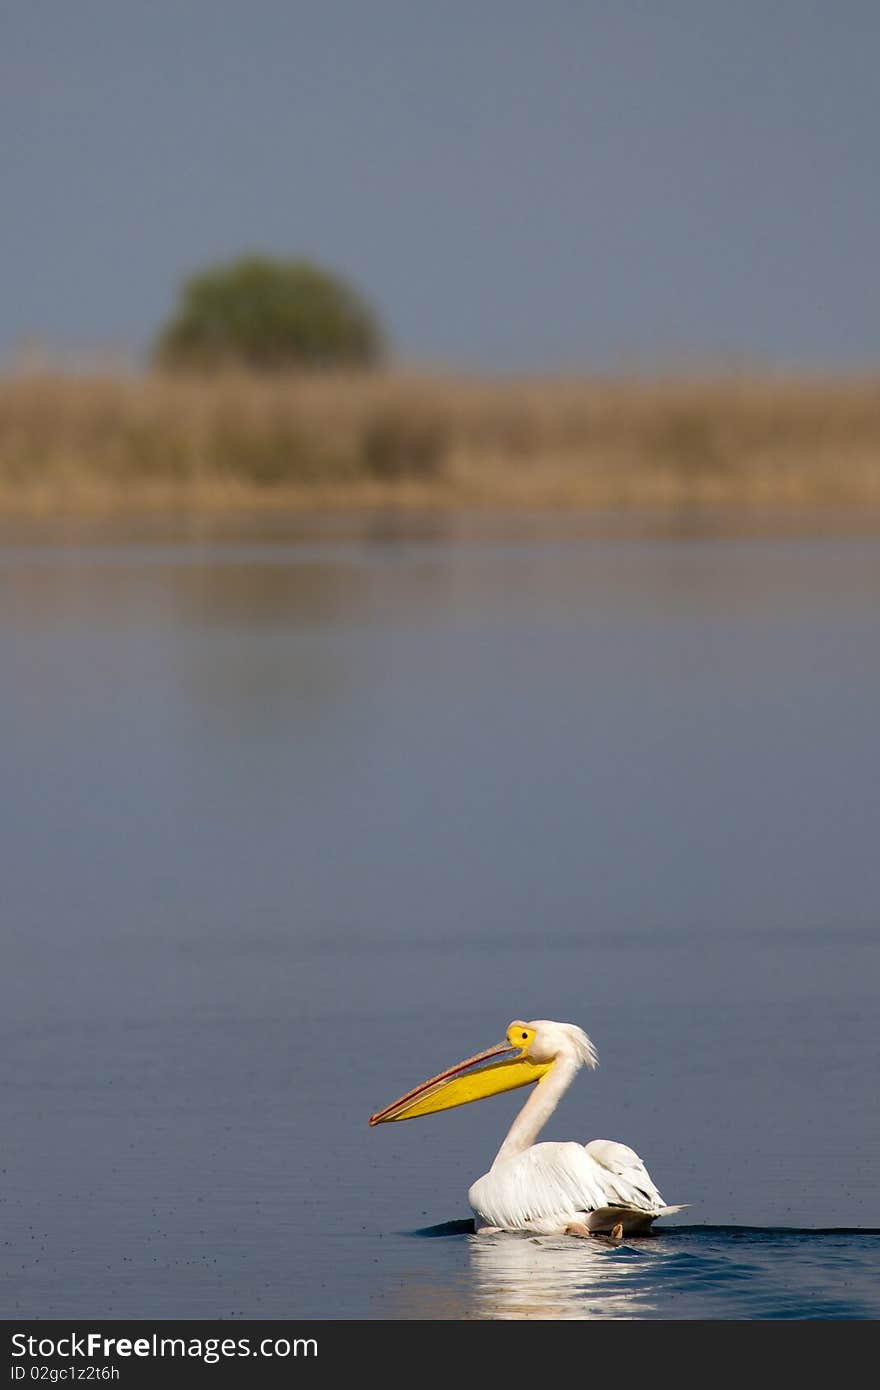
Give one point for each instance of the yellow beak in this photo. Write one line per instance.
(503, 1067)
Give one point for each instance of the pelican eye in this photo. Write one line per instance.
(520, 1035)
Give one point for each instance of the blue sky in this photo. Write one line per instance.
(516, 186)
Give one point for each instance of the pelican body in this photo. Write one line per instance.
(543, 1188)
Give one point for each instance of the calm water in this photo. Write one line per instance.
(289, 823)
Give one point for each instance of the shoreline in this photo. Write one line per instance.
(413, 526)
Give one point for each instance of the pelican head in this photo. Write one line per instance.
(528, 1053)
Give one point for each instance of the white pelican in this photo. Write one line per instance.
(548, 1189)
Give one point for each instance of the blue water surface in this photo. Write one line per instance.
(291, 820)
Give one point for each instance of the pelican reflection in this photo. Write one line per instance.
(555, 1277)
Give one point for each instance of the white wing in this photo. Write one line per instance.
(549, 1185)
(547, 1180)
(626, 1179)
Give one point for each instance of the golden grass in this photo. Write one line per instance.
(72, 443)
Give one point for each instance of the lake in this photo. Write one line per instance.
(294, 816)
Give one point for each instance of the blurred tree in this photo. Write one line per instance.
(266, 313)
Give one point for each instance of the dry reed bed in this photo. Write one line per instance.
(71, 441)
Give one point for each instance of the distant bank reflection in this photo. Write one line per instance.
(555, 1277)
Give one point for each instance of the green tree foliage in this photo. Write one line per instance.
(268, 314)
